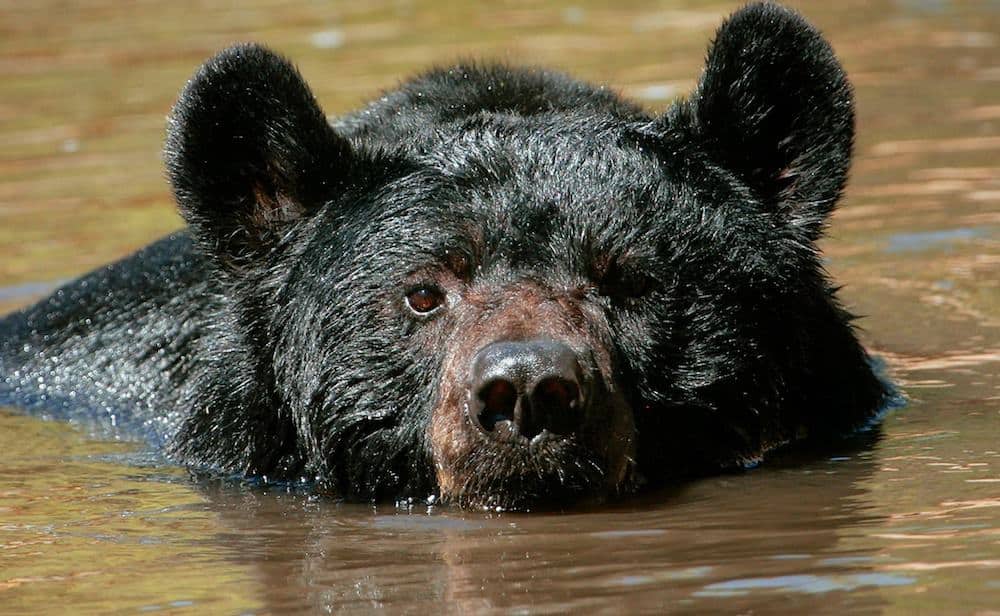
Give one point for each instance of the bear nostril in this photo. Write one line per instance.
(498, 400)
(555, 404)
(556, 392)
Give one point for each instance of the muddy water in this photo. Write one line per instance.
(905, 520)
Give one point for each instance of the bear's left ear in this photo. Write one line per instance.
(249, 151)
(775, 108)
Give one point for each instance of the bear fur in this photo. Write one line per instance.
(326, 312)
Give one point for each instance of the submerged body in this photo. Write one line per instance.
(495, 284)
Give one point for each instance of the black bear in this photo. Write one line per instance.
(499, 286)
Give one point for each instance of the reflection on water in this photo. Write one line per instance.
(273, 551)
(905, 521)
(677, 548)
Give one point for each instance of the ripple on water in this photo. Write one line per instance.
(806, 584)
(927, 240)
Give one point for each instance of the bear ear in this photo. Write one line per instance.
(249, 151)
(775, 108)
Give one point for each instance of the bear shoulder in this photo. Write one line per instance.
(111, 342)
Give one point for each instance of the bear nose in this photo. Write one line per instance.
(522, 389)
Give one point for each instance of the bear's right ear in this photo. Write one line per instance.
(774, 107)
(249, 151)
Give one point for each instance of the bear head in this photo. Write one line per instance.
(511, 289)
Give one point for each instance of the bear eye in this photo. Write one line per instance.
(624, 283)
(425, 299)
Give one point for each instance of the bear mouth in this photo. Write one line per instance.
(531, 423)
(516, 474)
(502, 468)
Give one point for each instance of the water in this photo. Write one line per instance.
(904, 521)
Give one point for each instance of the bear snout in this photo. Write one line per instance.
(527, 391)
